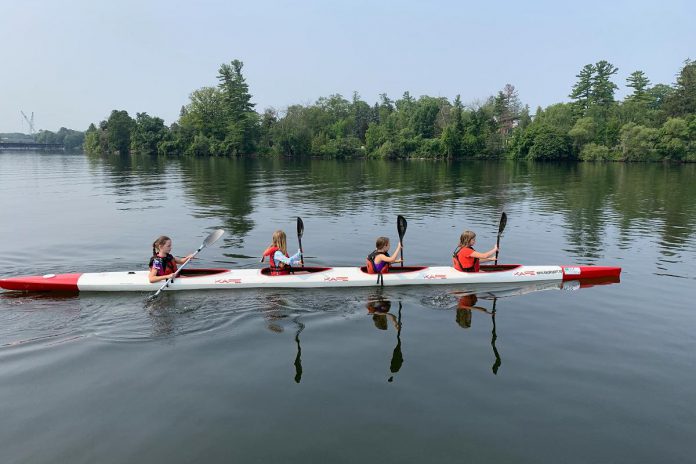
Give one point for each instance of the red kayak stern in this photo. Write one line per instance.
(589, 272)
(44, 283)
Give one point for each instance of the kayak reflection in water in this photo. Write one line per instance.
(379, 307)
(466, 304)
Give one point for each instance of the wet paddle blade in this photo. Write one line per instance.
(501, 227)
(503, 223)
(401, 225)
(213, 237)
(300, 227)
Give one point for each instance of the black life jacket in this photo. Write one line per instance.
(372, 266)
(168, 264)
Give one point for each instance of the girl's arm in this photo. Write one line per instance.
(182, 260)
(389, 259)
(153, 277)
(279, 257)
(482, 256)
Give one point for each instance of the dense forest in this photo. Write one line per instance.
(652, 123)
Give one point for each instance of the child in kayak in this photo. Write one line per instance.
(465, 258)
(277, 252)
(378, 261)
(163, 264)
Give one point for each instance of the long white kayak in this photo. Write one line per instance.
(308, 277)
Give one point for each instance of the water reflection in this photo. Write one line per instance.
(465, 306)
(379, 308)
(298, 357)
(590, 203)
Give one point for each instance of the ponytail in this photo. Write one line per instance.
(161, 240)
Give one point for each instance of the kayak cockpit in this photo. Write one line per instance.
(193, 272)
(297, 271)
(398, 269)
(498, 267)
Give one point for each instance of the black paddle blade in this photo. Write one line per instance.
(300, 227)
(503, 223)
(401, 225)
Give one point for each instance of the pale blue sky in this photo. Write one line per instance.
(72, 62)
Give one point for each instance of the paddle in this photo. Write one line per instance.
(501, 228)
(210, 239)
(498, 361)
(298, 358)
(397, 356)
(300, 231)
(401, 225)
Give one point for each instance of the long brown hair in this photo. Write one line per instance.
(466, 238)
(161, 240)
(382, 242)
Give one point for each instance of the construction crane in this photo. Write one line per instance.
(29, 121)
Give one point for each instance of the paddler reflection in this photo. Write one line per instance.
(465, 307)
(379, 307)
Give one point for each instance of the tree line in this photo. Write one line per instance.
(652, 123)
(72, 140)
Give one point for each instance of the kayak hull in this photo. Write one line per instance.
(309, 277)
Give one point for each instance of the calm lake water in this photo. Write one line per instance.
(601, 374)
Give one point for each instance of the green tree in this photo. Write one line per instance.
(683, 100)
(549, 143)
(119, 129)
(582, 132)
(240, 119)
(582, 90)
(91, 143)
(452, 135)
(673, 139)
(507, 108)
(147, 134)
(637, 143)
(594, 152)
(639, 82)
(602, 87)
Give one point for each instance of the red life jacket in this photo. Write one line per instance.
(462, 260)
(168, 264)
(372, 267)
(276, 268)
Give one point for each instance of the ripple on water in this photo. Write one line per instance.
(41, 319)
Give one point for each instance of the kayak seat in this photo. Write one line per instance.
(296, 271)
(498, 267)
(193, 272)
(398, 269)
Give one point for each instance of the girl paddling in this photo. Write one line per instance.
(465, 258)
(163, 264)
(379, 260)
(277, 252)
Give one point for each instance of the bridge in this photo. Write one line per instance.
(31, 146)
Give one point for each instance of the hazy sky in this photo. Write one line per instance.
(72, 62)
